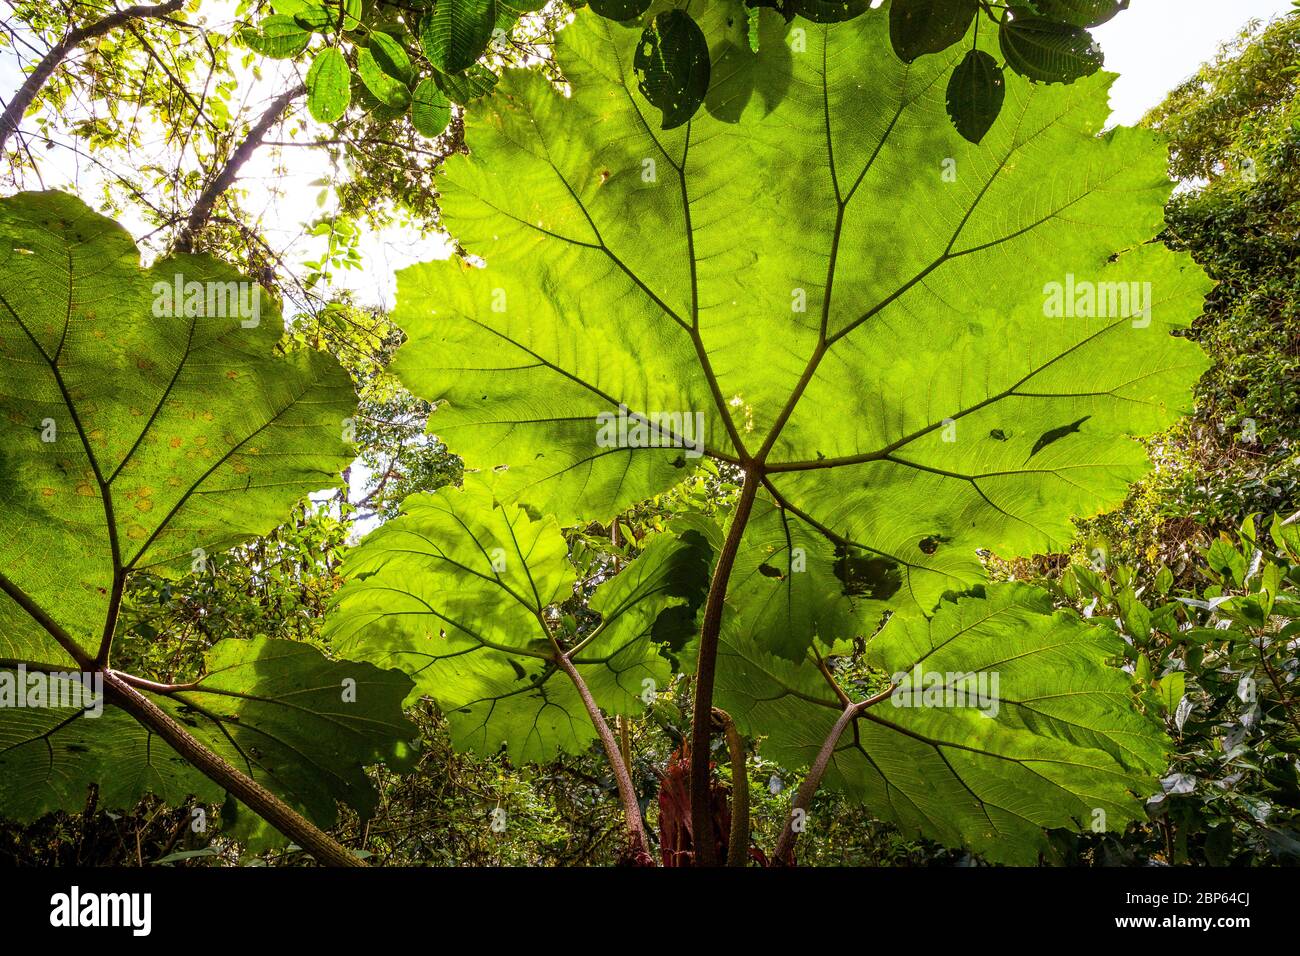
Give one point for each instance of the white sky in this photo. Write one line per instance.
(1156, 44)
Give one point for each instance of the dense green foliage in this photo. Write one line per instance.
(889, 576)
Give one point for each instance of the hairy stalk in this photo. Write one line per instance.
(783, 855)
(637, 845)
(17, 106)
(738, 839)
(624, 739)
(326, 850)
(706, 848)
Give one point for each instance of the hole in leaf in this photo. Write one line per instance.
(930, 543)
(870, 577)
(1056, 434)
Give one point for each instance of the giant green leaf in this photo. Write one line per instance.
(147, 422)
(1007, 721)
(459, 591)
(790, 583)
(138, 429)
(836, 290)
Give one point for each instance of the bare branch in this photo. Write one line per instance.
(13, 113)
(202, 210)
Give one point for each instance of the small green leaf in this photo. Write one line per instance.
(1135, 614)
(1046, 51)
(1170, 689)
(430, 111)
(457, 33)
(1164, 580)
(917, 27)
(1285, 536)
(280, 38)
(975, 93)
(352, 10)
(672, 66)
(1142, 669)
(328, 86)
(389, 91)
(391, 57)
(1226, 561)
(316, 19)
(463, 88)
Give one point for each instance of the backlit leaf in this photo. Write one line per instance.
(328, 86)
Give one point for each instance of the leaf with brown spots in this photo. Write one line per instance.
(126, 425)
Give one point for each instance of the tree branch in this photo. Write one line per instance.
(13, 113)
(202, 210)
